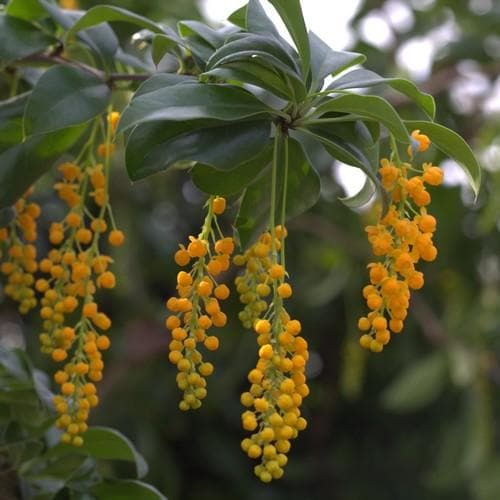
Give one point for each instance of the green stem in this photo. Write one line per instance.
(319, 121)
(274, 176)
(395, 150)
(283, 201)
(14, 83)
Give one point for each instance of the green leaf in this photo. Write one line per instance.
(454, 146)
(225, 182)
(109, 444)
(14, 106)
(239, 17)
(101, 39)
(11, 122)
(291, 13)
(367, 106)
(33, 158)
(326, 61)
(155, 146)
(249, 46)
(161, 80)
(29, 10)
(104, 13)
(353, 146)
(303, 189)
(64, 96)
(126, 490)
(161, 45)
(362, 197)
(342, 150)
(254, 74)
(59, 467)
(215, 38)
(418, 385)
(257, 21)
(360, 78)
(192, 102)
(19, 39)
(265, 51)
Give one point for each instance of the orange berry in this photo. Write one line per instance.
(106, 280)
(221, 292)
(211, 343)
(182, 257)
(103, 342)
(218, 205)
(59, 355)
(84, 236)
(277, 271)
(284, 290)
(116, 238)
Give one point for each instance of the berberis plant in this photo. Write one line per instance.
(249, 116)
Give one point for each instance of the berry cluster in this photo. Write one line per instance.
(278, 382)
(402, 237)
(19, 254)
(196, 308)
(73, 325)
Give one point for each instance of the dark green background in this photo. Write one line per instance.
(418, 421)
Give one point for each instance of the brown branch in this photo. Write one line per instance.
(109, 79)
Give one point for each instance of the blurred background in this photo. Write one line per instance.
(419, 421)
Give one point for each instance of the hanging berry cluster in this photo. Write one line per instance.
(402, 237)
(73, 325)
(196, 309)
(18, 253)
(278, 382)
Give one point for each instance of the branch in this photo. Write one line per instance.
(109, 79)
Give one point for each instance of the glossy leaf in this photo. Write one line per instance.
(101, 39)
(367, 106)
(126, 490)
(155, 146)
(11, 120)
(105, 443)
(29, 10)
(33, 158)
(302, 193)
(162, 80)
(315, 152)
(14, 106)
(418, 385)
(19, 39)
(265, 51)
(239, 17)
(161, 45)
(326, 61)
(192, 102)
(362, 197)
(341, 150)
(257, 21)
(215, 38)
(352, 148)
(291, 13)
(64, 96)
(105, 13)
(454, 146)
(249, 46)
(360, 78)
(254, 74)
(225, 182)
